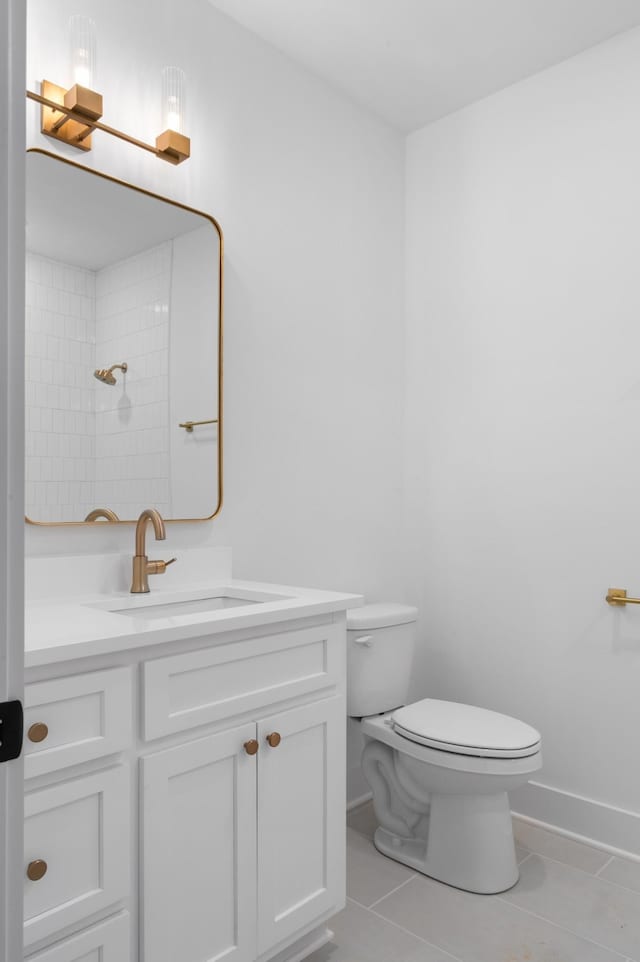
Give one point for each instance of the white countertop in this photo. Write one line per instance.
(62, 629)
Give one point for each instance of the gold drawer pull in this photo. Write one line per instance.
(251, 747)
(274, 739)
(36, 870)
(38, 732)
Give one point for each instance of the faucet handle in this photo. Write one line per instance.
(159, 567)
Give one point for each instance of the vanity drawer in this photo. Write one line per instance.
(184, 691)
(109, 941)
(76, 851)
(74, 719)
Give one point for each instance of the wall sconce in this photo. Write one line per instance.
(71, 115)
(82, 103)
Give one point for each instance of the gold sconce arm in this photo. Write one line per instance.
(190, 425)
(617, 598)
(174, 148)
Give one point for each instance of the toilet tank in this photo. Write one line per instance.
(380, 645)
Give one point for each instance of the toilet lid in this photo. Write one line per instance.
(465, 729)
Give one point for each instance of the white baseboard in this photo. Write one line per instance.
(614, 830)
(357, 802)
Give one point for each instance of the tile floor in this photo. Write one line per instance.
(573, 903)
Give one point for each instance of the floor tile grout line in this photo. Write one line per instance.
(431, 945)
(589, 874)
(540, 918)
(575, 868)
(603, 867)
(557, 925)
(387, 894)
(523, 860)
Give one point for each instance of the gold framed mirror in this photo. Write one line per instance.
(123, 350)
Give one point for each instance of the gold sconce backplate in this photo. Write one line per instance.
(56, 124)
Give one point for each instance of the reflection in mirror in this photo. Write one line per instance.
(123, 339)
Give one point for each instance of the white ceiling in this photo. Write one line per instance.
(412, 61)
(78, 218)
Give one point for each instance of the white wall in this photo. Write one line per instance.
(522, 427)
(309, 191)
(193, 362)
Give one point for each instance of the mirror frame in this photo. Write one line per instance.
(218, 229)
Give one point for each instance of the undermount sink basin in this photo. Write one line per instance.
(167, 609)
(174, 604)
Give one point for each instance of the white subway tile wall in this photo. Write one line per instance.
(132, 418)
(89, 443)
(60, 347)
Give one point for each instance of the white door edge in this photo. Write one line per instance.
(12, 227)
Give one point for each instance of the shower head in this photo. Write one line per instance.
(106, 375)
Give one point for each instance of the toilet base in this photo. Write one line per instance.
(469, 844)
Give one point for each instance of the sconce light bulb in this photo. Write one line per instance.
(81, 72)
(174, 120)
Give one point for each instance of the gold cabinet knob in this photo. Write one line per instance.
(38, 732)
(274, 739)
(36, 870)
(251, 747)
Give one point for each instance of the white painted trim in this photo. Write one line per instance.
(304, 946)
(603, 826)
(615, 814)
(12, 204)
(361, 800)
(583, 839)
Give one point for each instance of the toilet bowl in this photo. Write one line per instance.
(439, 771)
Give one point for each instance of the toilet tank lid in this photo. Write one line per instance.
(383, 615)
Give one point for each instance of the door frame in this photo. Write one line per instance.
(12, 232)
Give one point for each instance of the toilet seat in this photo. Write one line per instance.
(465, 730)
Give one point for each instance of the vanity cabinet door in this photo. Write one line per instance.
(301, 818)
(199, 850)
(76, 851)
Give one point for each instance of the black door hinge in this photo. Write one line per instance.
(11, 727)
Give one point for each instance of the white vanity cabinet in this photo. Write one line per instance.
(76, 830)
(199, 850)
(301, 818)
(235, 778)
(242, 849)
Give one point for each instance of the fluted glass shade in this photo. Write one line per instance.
(173, 99)
(82, 39)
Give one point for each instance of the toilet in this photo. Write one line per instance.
(439, 771)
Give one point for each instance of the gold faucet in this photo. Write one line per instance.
(105, 513)
(142, 567)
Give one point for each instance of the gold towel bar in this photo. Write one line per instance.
(190, 425)
(618, 598)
